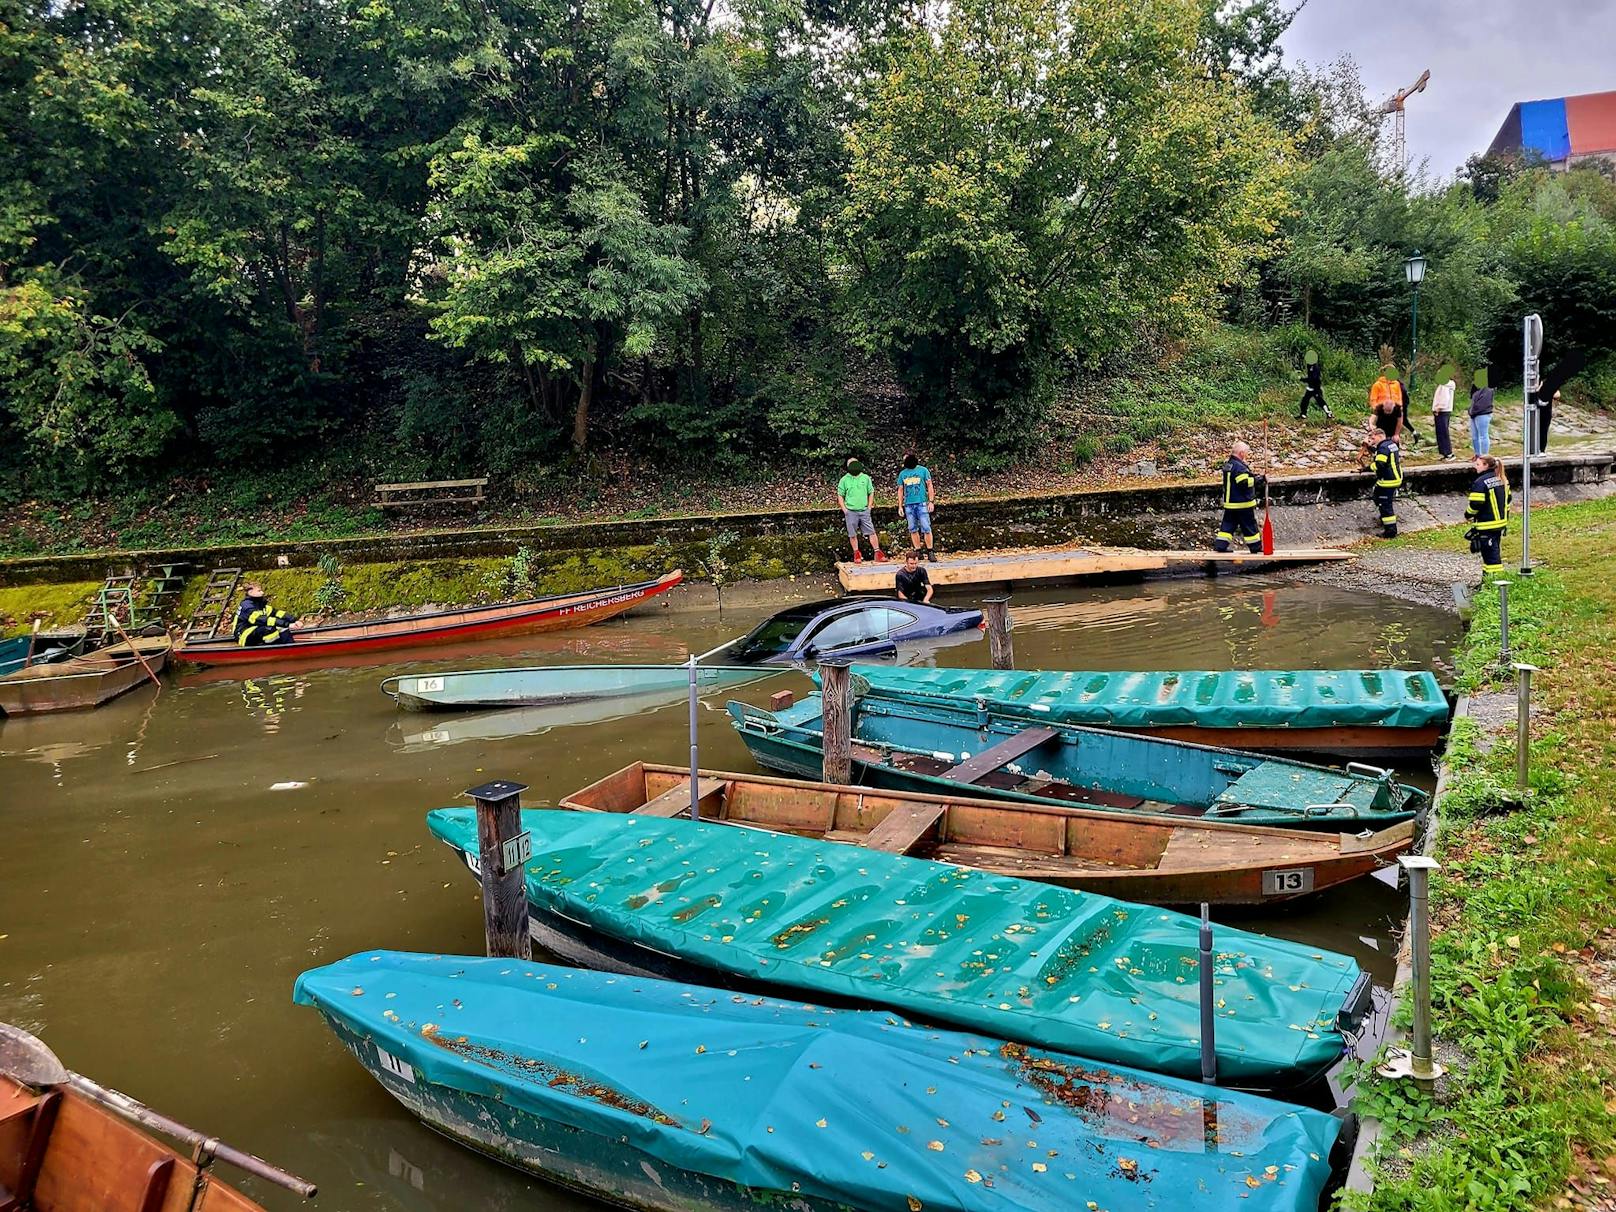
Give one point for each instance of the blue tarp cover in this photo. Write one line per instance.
(1055, 967)
(1544, 128)
(851, 1106)
(1229, 698)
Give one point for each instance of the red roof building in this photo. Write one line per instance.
(1560, 131)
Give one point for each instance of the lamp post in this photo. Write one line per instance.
(1414, 271)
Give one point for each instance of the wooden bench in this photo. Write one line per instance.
(443, 492)
(676, 799)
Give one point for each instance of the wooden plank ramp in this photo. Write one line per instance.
(1074, 563)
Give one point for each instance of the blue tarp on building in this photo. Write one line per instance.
(1544, 129)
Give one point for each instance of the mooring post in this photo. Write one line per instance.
(695, 765)
(836, 690)
(1209, 1043)
(503, 849)
(1503, 622)
(1417, 1062)
(1523, 727)
(1000, 648)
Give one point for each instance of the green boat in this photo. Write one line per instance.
(559, 685)
(943, 747)
(1027, 962)
(672, 1097)
(1349, 713)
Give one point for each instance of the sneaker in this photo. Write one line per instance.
(880, 557)
(858, 557)
(931, 555)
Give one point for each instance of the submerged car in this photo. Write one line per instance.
(847, 627)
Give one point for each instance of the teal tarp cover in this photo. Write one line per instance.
(1302, 698)
(1063, 969)
(851, 1106)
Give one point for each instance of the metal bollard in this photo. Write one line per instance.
(1416, 1062)
(1209, 1044)
(1523, 727)
(1503, 622)
(695, 773)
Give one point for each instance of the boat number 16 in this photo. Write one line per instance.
(1287, 883)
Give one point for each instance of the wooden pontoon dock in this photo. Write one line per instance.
(1076, 563)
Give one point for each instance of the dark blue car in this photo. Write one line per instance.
(847, 627)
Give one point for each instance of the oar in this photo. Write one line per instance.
(26, 1059)
(1267, 522)
(124, 635)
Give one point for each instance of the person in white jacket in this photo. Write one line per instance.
(1442, 411)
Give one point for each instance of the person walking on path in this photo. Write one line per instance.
(1388, 479)
(912, 582)
(1313, 378)
(916, 501)
(1239, 503)
(856, 492)
(1441, 412)
(1488, 509)
(1481, 415)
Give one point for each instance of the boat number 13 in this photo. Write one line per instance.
(1287, 883)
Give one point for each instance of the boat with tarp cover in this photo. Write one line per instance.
(1031, 963)
(1160, 861)
(438, 627)
(654, 1095)
(1349, 713)
(939, 747)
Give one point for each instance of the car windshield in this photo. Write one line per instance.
(770, 638)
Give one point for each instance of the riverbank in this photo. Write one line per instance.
(1524, 958)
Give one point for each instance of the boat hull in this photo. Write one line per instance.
(78, 684)
(557, 685)
(421, 631)
(1158, 862)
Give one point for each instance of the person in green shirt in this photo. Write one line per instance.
(856, 492)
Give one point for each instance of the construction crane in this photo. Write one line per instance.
(1395, 106)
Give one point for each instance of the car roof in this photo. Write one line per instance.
(809, 610)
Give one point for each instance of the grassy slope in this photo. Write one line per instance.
(1524, 967)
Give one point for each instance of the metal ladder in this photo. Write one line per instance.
(210, 611)
(163, 585)
(117, 593)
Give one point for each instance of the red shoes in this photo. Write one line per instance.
(858, 557)
(880, 557)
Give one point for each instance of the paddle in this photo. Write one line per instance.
(124, 636)
(27, 1059)
(1267, 522)
(33, 642)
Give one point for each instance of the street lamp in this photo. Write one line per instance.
(1414, 271)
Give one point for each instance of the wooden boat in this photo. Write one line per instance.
(439, 627)
(1027, 962)
(1348, 713)
(1154, 861)
(558, 685)
(667, 1097)
(933, 749)
(84, 681)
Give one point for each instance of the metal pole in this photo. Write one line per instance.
(1503, 622)
(695, 766)
(500, 835)
(1419, 867)
(1209, 1045)
(1414, 341)
(1523, 727)
(1531, 342)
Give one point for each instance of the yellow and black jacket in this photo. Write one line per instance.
(1489, 502)
(257, 622)
(1388, 464)
(1239, 485)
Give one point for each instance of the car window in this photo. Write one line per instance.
(888, 620)
(770, 639)
(848, 629)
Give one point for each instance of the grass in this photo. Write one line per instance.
(55, 605)
(1524, 964)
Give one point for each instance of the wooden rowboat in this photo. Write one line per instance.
(439, 627)
(84, 681)
(61, 1152)
(1156, 861)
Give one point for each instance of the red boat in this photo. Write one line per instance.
(444, 626)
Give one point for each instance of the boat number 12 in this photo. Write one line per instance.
(391, 1063)
(1287, 883)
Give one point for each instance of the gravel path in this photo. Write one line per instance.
(1426, 577)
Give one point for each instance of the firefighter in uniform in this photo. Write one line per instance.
(259, 623)
(1239, 502)
(1388, 467)
(1489, 510)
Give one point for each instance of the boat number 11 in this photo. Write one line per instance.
(391, 1063)
(1287, 883)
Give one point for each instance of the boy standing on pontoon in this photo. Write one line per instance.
(916, 500)
(856, 492)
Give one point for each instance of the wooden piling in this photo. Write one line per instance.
(499, 831)
(1001, 650)
(836, 690)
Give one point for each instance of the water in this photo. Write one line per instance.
(174, 860)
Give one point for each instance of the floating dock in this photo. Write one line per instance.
(1075, 564)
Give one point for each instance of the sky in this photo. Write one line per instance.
(1484, 55)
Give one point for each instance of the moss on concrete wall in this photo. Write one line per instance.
(61, 605)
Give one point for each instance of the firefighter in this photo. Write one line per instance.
(258, 623)
(1239, 502)
(1388, 468)
(1489, 510)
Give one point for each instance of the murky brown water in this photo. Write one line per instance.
(173, 861)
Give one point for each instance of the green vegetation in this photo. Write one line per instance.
(265, 253)
(1524, 966)
(58, 605)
